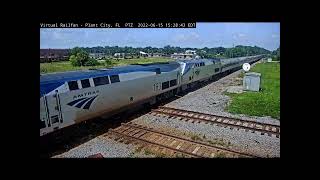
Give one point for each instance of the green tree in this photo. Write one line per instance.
(73, 60)
(276, 55)
(80, 57)
(75, 51)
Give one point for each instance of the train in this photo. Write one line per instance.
(68, 98)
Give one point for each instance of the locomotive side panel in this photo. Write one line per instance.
(105, 98)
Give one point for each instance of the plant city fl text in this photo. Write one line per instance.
(76, 25)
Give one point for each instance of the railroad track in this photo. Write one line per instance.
(168, 144)
(270, 129)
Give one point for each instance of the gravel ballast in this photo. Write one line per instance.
(251, 143)
(107, 147)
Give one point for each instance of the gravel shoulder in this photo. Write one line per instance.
(107, 147)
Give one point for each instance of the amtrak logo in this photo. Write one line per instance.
(83, 103)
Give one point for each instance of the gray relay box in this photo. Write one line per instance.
(251, 81)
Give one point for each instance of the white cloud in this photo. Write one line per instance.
(242, 35)
(130, 38)
(239, 36)
(191, 37)
(275, 35)
(57, 35)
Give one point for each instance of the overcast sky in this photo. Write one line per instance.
(266, 35)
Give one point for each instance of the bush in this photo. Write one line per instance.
(276, 58)
(91, 62)
(108, 62)
(74, 61)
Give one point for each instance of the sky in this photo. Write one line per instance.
(265, 35)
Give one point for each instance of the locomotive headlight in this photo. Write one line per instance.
(246, 67)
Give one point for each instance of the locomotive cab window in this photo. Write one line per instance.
(85, 83)
(73, 85)
(114, 78)
(98, 81)
(165, 85)
(173, 82)
(158, 71)
(42, 124)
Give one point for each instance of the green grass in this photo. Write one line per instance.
(156, 154)
(219, 142)
(180, 155)
(215, 141)
(66, 65)
(221, 155)
(196, 138)
(263, 103)
(147, 152)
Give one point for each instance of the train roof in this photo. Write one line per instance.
(237, 59)
(49, 82)
(82, 74)
(164, 67)
(193, 61)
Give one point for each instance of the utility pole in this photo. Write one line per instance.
(232, 50)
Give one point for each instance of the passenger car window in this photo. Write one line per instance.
(114, 78)
(98, 81)
(85, 83)
(73, 85)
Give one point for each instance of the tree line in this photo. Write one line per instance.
(276, 54)
(218, 52)
(79, 56)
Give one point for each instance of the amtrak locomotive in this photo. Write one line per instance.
(68, 98)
